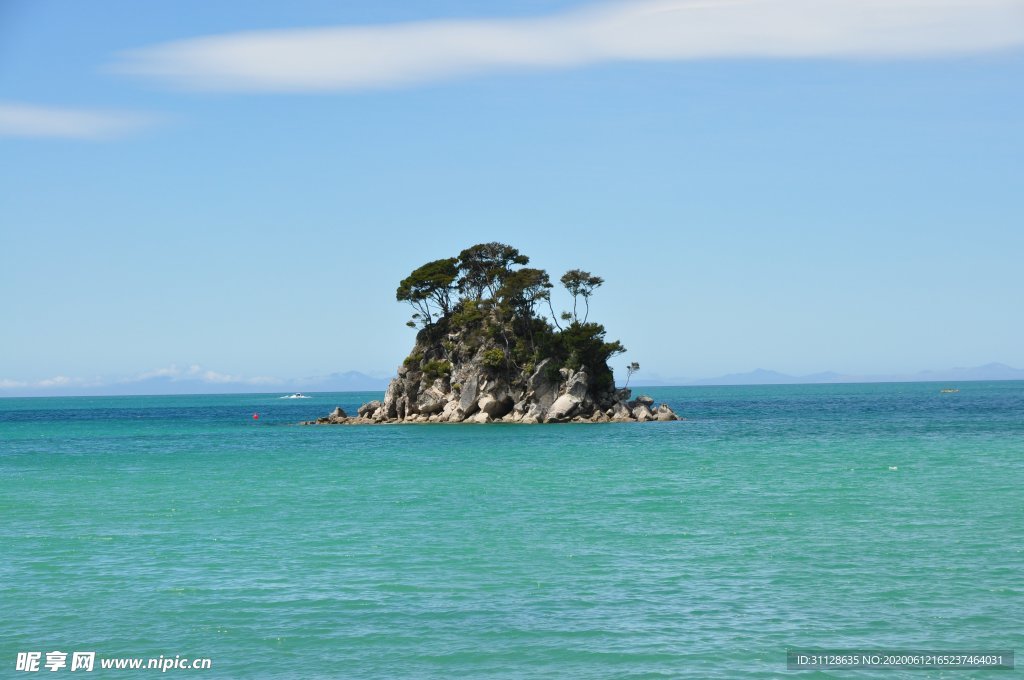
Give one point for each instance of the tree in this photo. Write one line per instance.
(522, 289)
(485, 266)
(434, 283)
(580, 284)
(630, 370)
(488, 296)
(584, 346)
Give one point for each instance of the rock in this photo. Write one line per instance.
(645, 400)
(539, 388)
(431, 401)
(450, 411)
(620, 412)
(391, 397)
(578, 385)
(535, 412)
(563, 407)
(622, 394)
(495, 408)
(642, 413)
(367, 409)
(468, 397)
(338, 412)
(521, 407)
(479, 418)
(664, 413)
(487, 404)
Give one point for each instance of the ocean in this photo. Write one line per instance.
(875, 516)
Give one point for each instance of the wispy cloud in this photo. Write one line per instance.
(56, 381)
(357, 57)
(196, 373)
(29, 120)
(187, 379)
(186, 376)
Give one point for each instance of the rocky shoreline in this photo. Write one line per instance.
(487, 398)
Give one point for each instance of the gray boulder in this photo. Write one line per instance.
(431, 401)
(469, 395)
(540, 389)
(664, 414)
(534, 414)
(563, 407)
(495, 408)
(578, 385)
(450, 412)
(642, 413)
(367, 409)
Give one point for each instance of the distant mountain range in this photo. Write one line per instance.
(196, 380)
(192, 382)
(349, 381)
(760, 376)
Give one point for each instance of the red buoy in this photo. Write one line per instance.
(255, 416)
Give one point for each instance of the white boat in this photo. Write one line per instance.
(297, 395)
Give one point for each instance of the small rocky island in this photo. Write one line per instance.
(486, 353)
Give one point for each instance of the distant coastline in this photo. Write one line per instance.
(359, 382)
(760, 376)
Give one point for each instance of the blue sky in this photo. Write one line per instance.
(774, 199)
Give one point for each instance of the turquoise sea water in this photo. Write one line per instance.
(834, 516)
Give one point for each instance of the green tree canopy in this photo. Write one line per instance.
(434, 283)
(523, 288)
(487, 293)
(485, 266)
(580, 284)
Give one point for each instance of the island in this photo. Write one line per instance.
(485, 352)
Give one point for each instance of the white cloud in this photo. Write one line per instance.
(169, 372)
(188, 375)
(198, 373)
(356, 57)
(29, 120)
(55, 381)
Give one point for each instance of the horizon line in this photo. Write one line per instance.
(685, 385)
